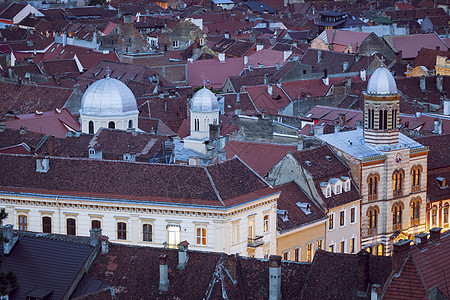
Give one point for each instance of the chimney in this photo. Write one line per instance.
(437, 126)
(423, 84)
(362, 75)
(250, 67)
(259, 47)
(277, 66)
(446, 110)
(362, 269)
(222, 57)
(341, 120)
(269, 89)
(421, 239)
(337, 128)
(263, 113)
(182, 255)
(105, 244)
(286, 54)
(8, 238)
(23, 129)
(439, 82)
(435, 234)
(344, 66)
(51, 145)
(266, 78)
(227, 34)
(318, 130)
(163, 273)
(214, 131)
(319, 55)
(274, 277)
(245, 60)
(401, 252)
(237, 107)
(95, 236)
(300, 142)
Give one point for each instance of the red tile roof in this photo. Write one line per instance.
(272, 104)
(258, 156)
(213, 72)
(410, 45)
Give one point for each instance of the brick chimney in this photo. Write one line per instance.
(401, 252)
(95, 236)
(421, 239)
(437, 126)
(105, 244)
(182, 255)
(51, 145)
(274, 277)
(435, 234)
(163, 273)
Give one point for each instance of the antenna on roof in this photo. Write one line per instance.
(108, 72)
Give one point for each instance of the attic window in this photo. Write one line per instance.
(308, 116)
(442, 182)
(328, 158)
(305, 207)
(42, 165)
(307, 162)
(283, 214)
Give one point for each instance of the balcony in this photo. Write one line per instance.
(255, 242)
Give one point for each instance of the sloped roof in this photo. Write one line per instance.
(270, 103)
(410, 45)
(46, 262)
(230, 181)
(12, 10)
(438, 153)
(258, 156)
(213, 71)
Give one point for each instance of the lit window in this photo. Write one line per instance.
(266, 223)
(121, 231)
(342, 247)
(23, 222)
(352, 245)
(319, 244)
(331, 248)
(415, 178)
(330, 221)
(372, 218)
(201, 236)
(380, 249)
(147, 232)
(174, 235)
(446, 214)
(235, 233)
(434, 216)
(397, 178)
(251, 231)
(415, 210)
(71, 226)
(309, 252)
(372, 186)
(397, 209)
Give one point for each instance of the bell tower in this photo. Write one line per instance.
(381, 109)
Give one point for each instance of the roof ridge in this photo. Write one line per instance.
(213, 185)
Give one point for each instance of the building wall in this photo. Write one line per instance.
(217, 222)
(442, 66)
(300, 238)
(347, 232)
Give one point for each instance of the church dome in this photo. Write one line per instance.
(108, 97)
(382, 82)
(204, 101)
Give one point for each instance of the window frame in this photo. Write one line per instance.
(353, 215)
(201, 235)
(121, 233)
(235, 233)
(146, 233)
(49, 226)
(20, 225)
(71, 227)
(342, 216)
(266, 223)
(331, 221)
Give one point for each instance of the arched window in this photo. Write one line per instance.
(445, 216)
(96, 224)
(130, 124)
(372, 219)
(91, 127)
(196, 124)
(415, 178)
(397, 210)
(415, 210)
(111, 125)
(147, 232)
(380, 249)
(434, 216)
(382, 119)
(394, 118)
(71, 226)
(369, 250)
(397, 182)
(46, 224)
(372, 186)
(121, 231)
(370, 118)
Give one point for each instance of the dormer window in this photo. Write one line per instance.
(91, 151)
(328, 194)
(346, 181)
(42, 165)
(442, 181)
(283, 214)
(336, 185)
(326, 189)
(305, 207)
(129, 157)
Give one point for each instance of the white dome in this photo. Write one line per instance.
(204, 101)
(108, 97)
(382, 82)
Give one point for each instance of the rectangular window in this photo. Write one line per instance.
(319, 244)
(330, 222)
(46, 224)
(147, 232)
(251, 231)
(201, 236)
(353, 215)
(121, 231)
(174, 235)
(297, 254)
(235, 233)
(352, 245)
(96, 224)
(309, 252)
(23, 222)
(266, 223)
(342, 247)
(71, 226)
(331, 247)
(342, 218)
(446, 215)
(175, 44)
(286, 255)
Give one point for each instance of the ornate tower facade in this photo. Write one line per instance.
(381, 109)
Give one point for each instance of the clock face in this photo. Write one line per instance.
(398, 158)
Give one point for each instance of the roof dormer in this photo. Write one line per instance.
(346, 183)
(336, 185)
(283, 214)
(305, 207)
(326, 189)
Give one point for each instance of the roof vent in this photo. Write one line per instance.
(283, 214)
(42, 165)
(442, 181)
(307, 162)
(328, 158)
(305, 207)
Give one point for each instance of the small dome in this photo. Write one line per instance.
(204, 101)
(108, 97)
(382, 82)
